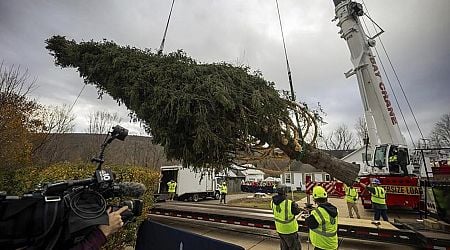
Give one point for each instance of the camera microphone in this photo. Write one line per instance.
(132, 189)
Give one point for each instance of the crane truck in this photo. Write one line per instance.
(391, 162)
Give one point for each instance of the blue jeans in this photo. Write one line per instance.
(381, 212)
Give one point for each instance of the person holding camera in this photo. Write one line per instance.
(97, 238)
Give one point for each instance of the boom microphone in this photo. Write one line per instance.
(132, 189)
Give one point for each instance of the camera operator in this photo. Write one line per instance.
(97, 238)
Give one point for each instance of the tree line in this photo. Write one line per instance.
(35, 134)
(345, 138)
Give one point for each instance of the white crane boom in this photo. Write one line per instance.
(379, 111)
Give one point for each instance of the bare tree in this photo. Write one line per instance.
(100, 122)
(17, 116)
(440, 135)
(340, 139)
(57, 120)
(361, 130)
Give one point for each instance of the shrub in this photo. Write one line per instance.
(25, 179)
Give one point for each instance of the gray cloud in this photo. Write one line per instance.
(245, 32)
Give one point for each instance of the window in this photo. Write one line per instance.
(327, 177)
(287, 177)
(380, 156)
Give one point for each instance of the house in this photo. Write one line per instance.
(299, 174)
(358, 156)
(233, 176)
(253, 175)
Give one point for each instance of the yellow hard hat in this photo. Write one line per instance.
(319, 192)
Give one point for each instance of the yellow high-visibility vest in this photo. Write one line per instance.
(325, 235)
(285, 221)
(351, 194)
(379, 196)
(172, 186)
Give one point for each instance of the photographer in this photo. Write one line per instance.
(71, 214)
(97, 238)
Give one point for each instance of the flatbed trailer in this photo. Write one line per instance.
(348, 228)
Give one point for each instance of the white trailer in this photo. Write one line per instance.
(192, 184)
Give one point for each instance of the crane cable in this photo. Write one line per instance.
(399, 83)
(290, 77)
(161, 47)
(391, 88)
(76, 99)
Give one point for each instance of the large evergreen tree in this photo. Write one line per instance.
(202, 114)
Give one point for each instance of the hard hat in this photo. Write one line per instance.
(282, 189)
(319, 192)
(376, 181)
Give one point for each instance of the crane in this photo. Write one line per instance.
(382, 124)
(391, 161)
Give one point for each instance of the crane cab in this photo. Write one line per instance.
(391, 159)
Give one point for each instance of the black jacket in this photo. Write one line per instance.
(277, 199)
(311, 221)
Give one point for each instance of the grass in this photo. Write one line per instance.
(262, 203)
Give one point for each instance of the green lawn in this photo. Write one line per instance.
(263, 203)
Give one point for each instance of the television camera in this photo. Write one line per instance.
(61, 214)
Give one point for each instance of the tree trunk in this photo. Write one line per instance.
(339, 169)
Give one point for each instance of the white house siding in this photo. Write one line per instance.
(253, 175)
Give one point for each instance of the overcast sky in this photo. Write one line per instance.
(417, 39)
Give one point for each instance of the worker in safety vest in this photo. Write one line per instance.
(393, 158)
(323, 221)
(378, 199)
(172, 185)
(351, 196)
(284, 212)
(223, 192)
(393, 161)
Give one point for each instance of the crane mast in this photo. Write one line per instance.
(379, 112)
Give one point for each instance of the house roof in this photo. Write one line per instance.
(340, 153)
(236, 167)
(361, 149)
(231, 173)
(298, 166)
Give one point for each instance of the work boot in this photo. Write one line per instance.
(376, 223)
